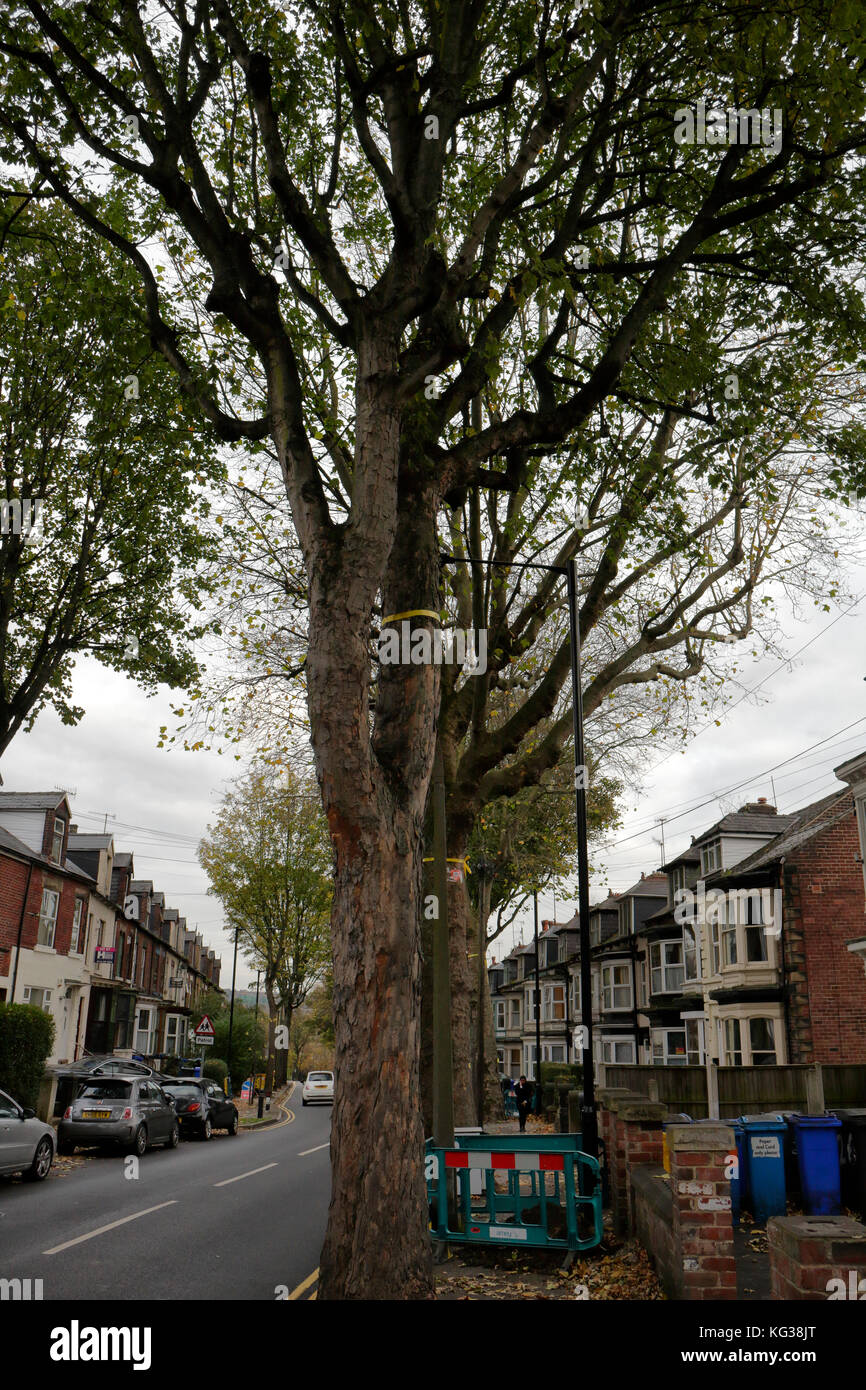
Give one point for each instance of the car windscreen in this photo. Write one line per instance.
(106, 1090)
(320, 1076)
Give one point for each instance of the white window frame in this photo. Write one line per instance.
(75, 942)
(515, 1012)
(499, 1006)
(711, 856)
(553, 999)
(662, 1054)
(608, 1051)
(47, 921)
(548, 1049)
(45, 997)
(574, 996)
(663, 971)
(57, 858)
(610, 988)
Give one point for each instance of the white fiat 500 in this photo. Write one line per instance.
(319, 1085)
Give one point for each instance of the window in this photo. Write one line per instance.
(75, 940)
(500, 1015)
(574, 996)
(762, 1041)
(145, 1031)
(666, 967)
(733, 1048)
(553, 1052)
(552, 951)
(711, 857)
(48, 917)
(620, 1050)
(756, 936)
(552, 1003)
(39, 998)
(175, 1035)
(529, 1056)
(669, 1047)
(514, 1015)
(691, 954)
(57, 840)
(531, 1008)
(616, 986)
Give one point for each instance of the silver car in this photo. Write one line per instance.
(26, 1144)
(126, 1111)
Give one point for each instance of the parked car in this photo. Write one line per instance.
(319, 1086)
(129, 1111)
(201, 1106)
(26, 1144)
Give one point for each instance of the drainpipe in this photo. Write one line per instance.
(781, 943)
(20, 933)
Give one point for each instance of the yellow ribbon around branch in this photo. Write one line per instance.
(411, 613)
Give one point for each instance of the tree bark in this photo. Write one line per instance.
(374, 790)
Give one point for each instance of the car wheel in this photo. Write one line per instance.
(206, 1130)
(42, 1160)
(139, 1141)
(64, 1148)
(174, 1138)
(235, 1124)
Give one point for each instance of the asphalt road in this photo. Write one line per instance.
(233, 1218)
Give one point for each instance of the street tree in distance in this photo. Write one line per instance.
(268, 858)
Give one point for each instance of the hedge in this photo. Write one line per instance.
(26, 1040)
(551, 1072)
(215, 1069)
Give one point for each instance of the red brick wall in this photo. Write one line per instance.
(823, 909)
(13, 882)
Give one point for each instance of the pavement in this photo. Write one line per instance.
(238, 1217)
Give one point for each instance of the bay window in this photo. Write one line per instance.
(616, 986)
(666, 967)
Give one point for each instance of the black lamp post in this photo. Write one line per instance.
(589, 1118)
(232, 1016)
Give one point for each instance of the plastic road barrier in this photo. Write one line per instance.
(765, 1165)
(818, 1161)
(537, 1190)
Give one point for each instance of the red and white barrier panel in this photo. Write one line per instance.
(522, 1162)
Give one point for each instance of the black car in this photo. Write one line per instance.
(201, 1106)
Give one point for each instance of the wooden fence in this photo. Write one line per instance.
(744, 1090)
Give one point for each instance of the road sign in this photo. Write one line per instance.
(204, 1030)
(202, 1040)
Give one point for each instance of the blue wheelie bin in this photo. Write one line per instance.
(764, 1137)
(818, 1162)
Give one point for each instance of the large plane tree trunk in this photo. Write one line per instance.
(374, 777)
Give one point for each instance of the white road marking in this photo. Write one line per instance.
(304, 1153)
(250, 1174)
(100, 1230)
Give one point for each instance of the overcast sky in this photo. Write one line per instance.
(159, 802)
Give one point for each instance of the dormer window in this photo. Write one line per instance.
(57, 840)
(711, 857)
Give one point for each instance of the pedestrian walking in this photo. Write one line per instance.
(523, 1091)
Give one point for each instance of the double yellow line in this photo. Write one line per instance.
(301, 1290)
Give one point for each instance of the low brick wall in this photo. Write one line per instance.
(653, 1207)
(703, 1229)
(817, 1257)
